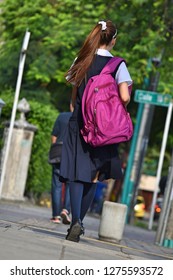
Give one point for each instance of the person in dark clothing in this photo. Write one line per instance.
(82, 165)
(60, 207)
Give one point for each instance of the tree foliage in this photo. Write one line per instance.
(58, 29)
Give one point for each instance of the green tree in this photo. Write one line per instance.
(59, 27)
(55, 38)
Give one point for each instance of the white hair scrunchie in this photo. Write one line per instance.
(103, 23)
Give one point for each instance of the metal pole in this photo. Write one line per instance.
(159, 169)
(143, 136)
(163, 220)
(141, 148)
(144, 123)
(142, 144)
(13, 115)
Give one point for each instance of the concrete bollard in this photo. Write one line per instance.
(112, 221)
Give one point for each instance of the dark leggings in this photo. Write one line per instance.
(81, 197)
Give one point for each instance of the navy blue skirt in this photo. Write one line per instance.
(81, 162)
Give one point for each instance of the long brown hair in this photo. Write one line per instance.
(96, 38)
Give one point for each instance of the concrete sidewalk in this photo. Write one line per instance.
(27, 233)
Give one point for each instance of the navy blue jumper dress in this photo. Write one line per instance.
(80, 161)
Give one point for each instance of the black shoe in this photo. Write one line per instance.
(74, 232)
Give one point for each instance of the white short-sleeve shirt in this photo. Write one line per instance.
(122, 74)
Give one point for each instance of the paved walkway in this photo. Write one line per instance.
(27, 233)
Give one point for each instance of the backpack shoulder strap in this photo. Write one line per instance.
(112, 65)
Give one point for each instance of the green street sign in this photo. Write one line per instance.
(143, 96)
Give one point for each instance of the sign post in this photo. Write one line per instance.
(144, 96)
(158, 99)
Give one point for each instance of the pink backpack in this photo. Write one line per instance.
(106, 120)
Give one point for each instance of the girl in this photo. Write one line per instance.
(82, 165)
